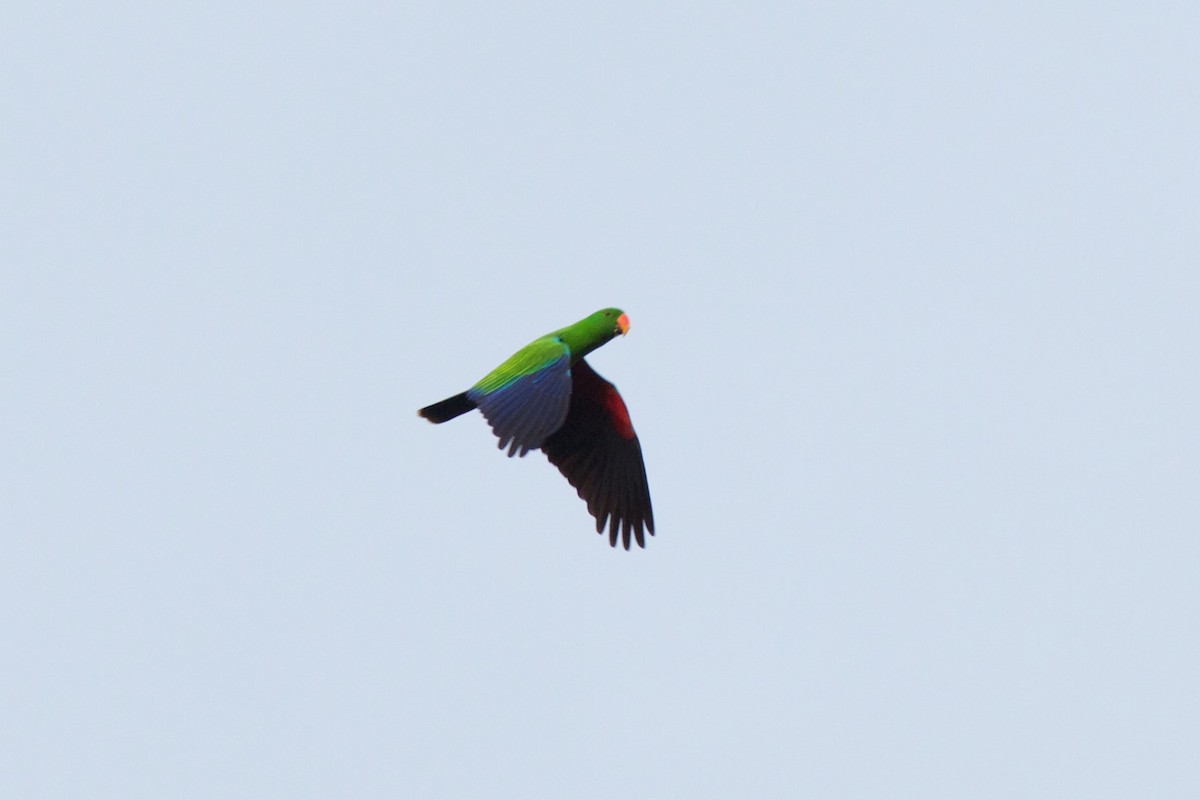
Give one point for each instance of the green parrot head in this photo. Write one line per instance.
(594, 330)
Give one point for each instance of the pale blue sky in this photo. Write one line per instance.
(913, 360)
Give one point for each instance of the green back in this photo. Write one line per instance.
(576, 340)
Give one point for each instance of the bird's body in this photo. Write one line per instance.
(546, 396)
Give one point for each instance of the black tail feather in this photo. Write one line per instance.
(448, 409)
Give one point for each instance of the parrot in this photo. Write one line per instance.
(547, 397)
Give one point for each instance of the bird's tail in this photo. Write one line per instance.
(448, 409)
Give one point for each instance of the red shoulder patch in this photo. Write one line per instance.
(618, 412)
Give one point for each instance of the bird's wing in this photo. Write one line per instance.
(598, 452)
(525, 399)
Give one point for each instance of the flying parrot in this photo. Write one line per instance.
(546, 396)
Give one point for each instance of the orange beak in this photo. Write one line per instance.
(623, 324)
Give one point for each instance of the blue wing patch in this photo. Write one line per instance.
(525, 411)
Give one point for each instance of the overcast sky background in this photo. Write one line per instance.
(914, 294)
